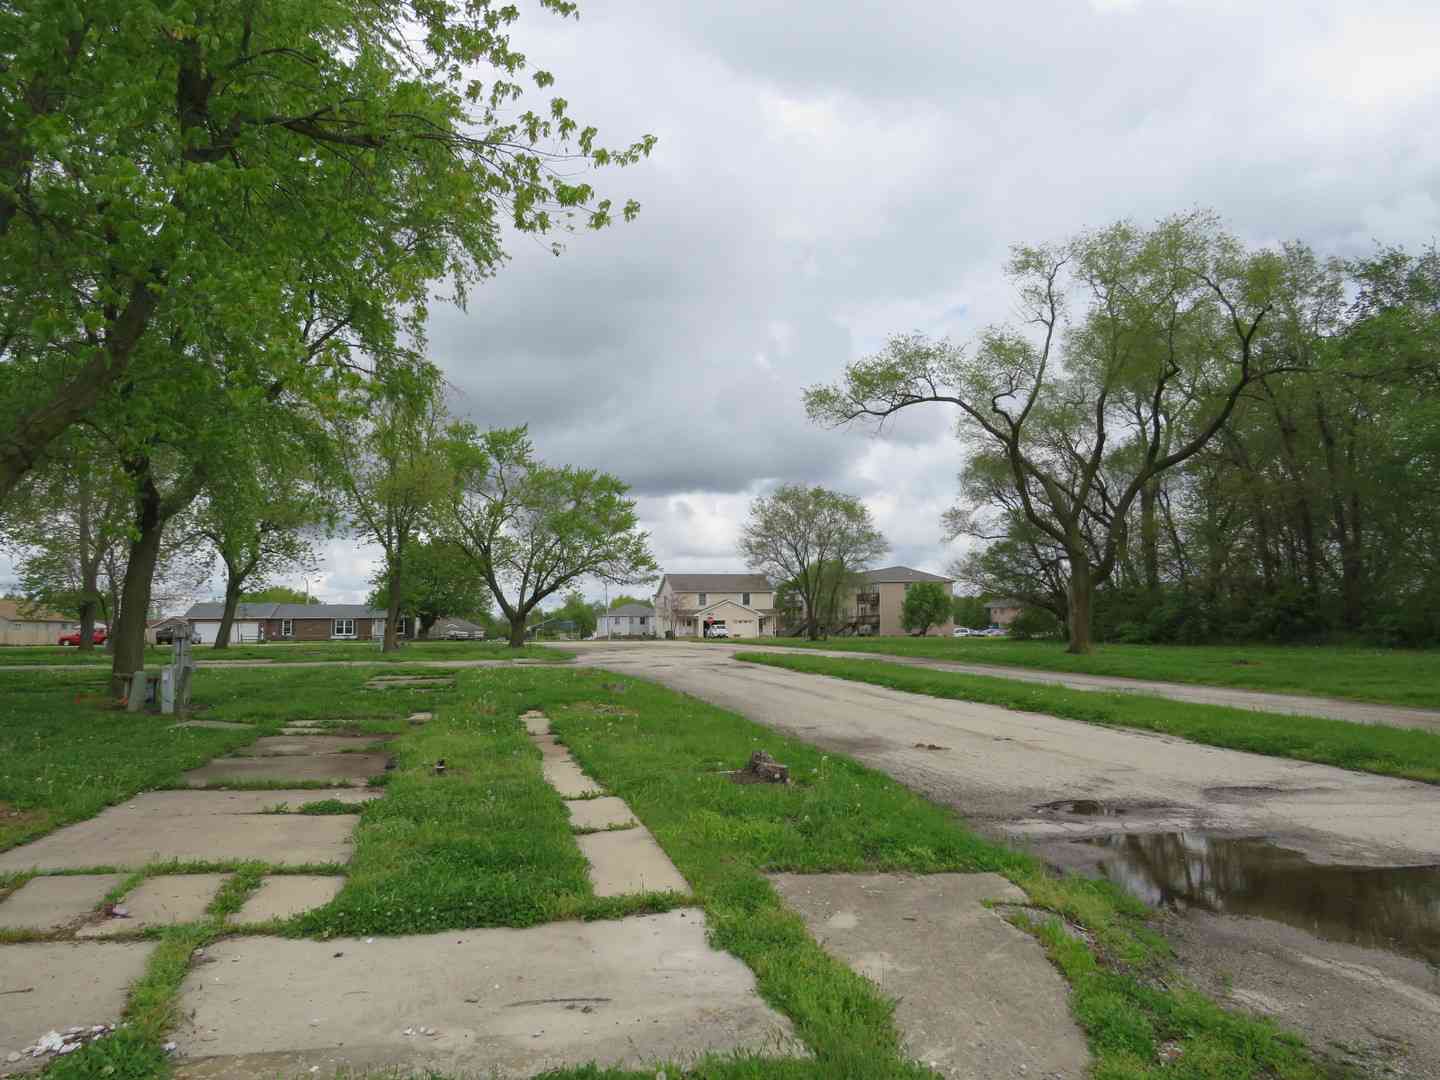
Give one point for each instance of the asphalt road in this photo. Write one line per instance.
(1365, 1001)
(998, 766)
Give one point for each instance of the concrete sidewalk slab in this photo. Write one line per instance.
(550, 747)
(600, 813)
(282, 895)
(502, 1002)
(409, 682)
(215, 725)
(629, 861)
(536, 723)
(329, 768)
(976, 997)
(65, 984)
(52, 903)
(307, 744)
(566, 777)
(160, 901)
(199, 825)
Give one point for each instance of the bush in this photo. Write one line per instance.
(1034, 622)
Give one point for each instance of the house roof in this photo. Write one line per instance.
(20, 610)
(632, 609)
(454, 622)
(903, 573)
(213, 612)
(731, 603)
(722, 581)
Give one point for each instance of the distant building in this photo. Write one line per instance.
(878, 608)
(22, 625)
(289, 622)
(628, 620)
(1004, 612)
(741, 602)
(453, 628)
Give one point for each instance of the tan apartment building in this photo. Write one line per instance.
(742, 603)
(877, 610)
(1004, 612)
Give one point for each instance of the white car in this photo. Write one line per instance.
(719, 631)
(965, 631)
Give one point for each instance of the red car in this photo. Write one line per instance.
(74, 639)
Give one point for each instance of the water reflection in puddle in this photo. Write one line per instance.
(1389, 908)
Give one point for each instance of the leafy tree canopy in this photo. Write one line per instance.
(927, 604)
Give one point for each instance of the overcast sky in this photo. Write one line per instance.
(830, 172)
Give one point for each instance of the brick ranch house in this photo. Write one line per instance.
(289, 622)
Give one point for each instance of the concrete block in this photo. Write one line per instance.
(502, 1002)
(599, 813)
(63, 984)
(283, 895)
(160, 901)
(629, 861)
(565, 776)
(327, 768)
(52, 903)
(976, 997)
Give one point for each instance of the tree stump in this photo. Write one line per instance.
(766, 768)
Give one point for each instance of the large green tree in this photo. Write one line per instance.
(816, 540)
(438, 581)
(290, 174)
(1136, 346)
(926, 604)
(534, 529)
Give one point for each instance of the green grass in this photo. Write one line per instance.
(1404, 752)
(289, 653)
(1387, 676)
(490, 844)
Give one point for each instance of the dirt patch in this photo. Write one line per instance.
(604, 709)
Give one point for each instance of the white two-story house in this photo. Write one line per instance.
(693, 603)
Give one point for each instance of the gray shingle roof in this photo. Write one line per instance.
(903, 573)
(286, 611)
(633, 609)
(727, 581)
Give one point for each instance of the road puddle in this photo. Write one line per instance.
(1394, 908)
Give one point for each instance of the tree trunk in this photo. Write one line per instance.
(227, 617)
(427, 620)
(127, 636)
(1150, 536)
(517, 632)
(87, 625)
(1081, 598)
(392, 614)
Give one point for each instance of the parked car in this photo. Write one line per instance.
(457, 635)
(719, 631)
(995, 631)
(965, 631)
(98, 637)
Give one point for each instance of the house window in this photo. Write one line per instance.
(642, 620)
(287, 627)
(344, 628)
(702, 599)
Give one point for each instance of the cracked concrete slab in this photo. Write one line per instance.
(600, 813)
(282, 895)
(160, 901)
(197, 825)
(624, 993)
(629, 861)
(328, 768)
(551, 748)
(53, 903)
(976, 997)
(65, 984)
(568, 779)
(536, 723)
(215, 725)
(411, 682)
(307, 744)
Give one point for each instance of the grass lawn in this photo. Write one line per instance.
(490, 845)
(1388, 676)
(1404, 752)
(283, 653)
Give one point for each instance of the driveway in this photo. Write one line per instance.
(1346, 947)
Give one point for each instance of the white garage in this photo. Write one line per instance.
(738, 619)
